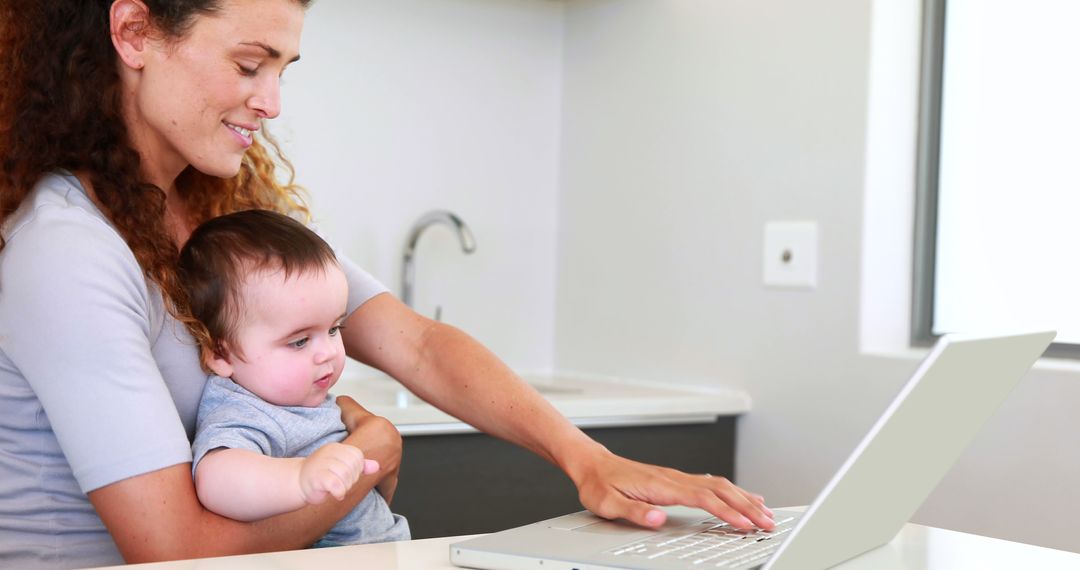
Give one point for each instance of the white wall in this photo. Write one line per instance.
(400, 107)
(687, 125)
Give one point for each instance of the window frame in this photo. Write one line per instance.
(927, 170)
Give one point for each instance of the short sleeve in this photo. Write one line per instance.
(76, 318)
(362, 286)
(222, 430)
(232, 417)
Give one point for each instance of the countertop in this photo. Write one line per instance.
(916, 547)
(588, 401)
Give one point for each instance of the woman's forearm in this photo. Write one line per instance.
(157, 516)
(455, 373)
(477, 387)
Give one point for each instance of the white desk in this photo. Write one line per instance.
(915, 548)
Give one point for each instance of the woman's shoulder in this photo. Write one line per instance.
(57, 202)
(58, 220)
(59, 241)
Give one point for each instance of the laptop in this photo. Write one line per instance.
(874, 493)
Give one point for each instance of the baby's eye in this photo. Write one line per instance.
(299, 343)
(335, 330)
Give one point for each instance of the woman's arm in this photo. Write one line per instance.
(157, 515)
(449, 369)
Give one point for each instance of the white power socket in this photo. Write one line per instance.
(791, 255)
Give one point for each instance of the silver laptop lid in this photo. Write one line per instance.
(910, 448)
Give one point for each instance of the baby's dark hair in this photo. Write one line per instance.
(220, 255)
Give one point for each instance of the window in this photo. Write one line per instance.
(998, 205)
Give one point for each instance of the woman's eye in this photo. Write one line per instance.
(299, 343)
(248, 71)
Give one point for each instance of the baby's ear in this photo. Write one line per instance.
(219, 363)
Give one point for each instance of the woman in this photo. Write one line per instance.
(123, 124)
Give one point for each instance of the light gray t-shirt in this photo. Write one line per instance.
(232, 416)
(97, 382)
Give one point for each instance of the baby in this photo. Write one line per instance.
(270, 299)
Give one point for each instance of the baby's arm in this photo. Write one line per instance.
(247, 486)
(333, 469)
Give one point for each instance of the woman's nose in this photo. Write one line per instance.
(267, 100)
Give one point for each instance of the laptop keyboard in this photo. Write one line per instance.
(719, 546)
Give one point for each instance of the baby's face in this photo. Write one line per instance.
(290, 336)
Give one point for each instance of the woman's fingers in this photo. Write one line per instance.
(621, 488)
(352, 413)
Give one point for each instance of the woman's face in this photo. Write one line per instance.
(199, 99)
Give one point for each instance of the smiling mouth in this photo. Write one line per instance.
(246, 133)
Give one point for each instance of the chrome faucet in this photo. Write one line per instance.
(408, 266)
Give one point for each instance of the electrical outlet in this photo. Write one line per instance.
(791, 255)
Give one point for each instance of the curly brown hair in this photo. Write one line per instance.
(60, 109)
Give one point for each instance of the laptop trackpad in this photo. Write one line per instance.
(585, 521)
(609, 527)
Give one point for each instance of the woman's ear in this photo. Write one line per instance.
(219, 363)
(129, 23)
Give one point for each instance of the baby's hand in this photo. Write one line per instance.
(333, 469)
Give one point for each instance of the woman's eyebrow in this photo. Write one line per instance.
(271, 52)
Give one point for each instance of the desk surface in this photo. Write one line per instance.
(915, 548)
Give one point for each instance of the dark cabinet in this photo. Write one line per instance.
(473, 483)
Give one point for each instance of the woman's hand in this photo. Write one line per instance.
(377, 437)
(615, 487)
